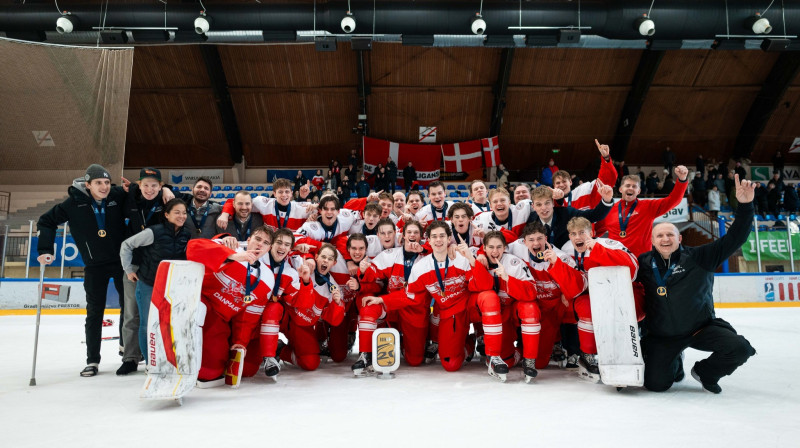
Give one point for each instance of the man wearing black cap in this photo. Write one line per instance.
(143, 208)
(95, 211)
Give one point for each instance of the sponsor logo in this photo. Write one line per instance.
(769, 292)
(153, 349)
(386, 350)
(635, 346)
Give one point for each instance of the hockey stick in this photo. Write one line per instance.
(38, 317)
(107, 338)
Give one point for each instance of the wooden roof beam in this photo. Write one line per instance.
(222, 97)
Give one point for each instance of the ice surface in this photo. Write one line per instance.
(424, 406)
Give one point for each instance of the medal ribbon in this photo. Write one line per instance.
(444, 212)
(579, 260)
(439, 274)
(248, 286)
(247, 225)
(100, 214)
(192, 212)
(623, 223)
(661, 281)
(285, 218)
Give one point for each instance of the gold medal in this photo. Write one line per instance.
(540, 255)
(274, 298)
(248, 298)
(334, 288)
(661, 290)
(199, 231)
(101, 233)
(443, 294)
(622, 234)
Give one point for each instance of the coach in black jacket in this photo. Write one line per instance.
(680, 310)
(95, 211)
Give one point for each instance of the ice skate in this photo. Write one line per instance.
(559, 356)
(497, 368)
(529, 368)
(363, 366)
(469, 348)
(480, 347)
(587, 368)
(709, 387)
(272, 367)
(431, 351)
(324, 352)
(572, 362)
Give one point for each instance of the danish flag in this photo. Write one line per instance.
(491, 151)
(462, 157)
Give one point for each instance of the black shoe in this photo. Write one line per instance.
(480, 346)
(363, 365)
(431, 351)
(713, 388)
(680, 374)
(272, 367)
(127, 367)
(90, 370)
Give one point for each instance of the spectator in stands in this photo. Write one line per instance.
(548, 171)
(761, 203)
(731, 192)
(642, 178)
(713, 201)
(336, 175)
(700, 165)
(740, 170)
(355, 161)
(699, 189)
(299, 180)
(95, 211)
(381, 182)
(351, 174)
(244, 220)
(777, 162)
(203, 213)
(362, 188)
(409, 176)
(522, 192)
(777, 179)
(502, 176)
(330, 182)
(622, 171)
(720, 184)
(773, 199)
(304, 193)
(667, 186)
(343, 197)
(651, 184)
(668, 157)
(391, 174)
(346, 188)
(165, 241)
(318, 181)
(791, 202)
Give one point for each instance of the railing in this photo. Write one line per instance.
(5, 204)
(706, 222)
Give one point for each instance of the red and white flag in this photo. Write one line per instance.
(491, 151)
(462, 157)
(424, 158)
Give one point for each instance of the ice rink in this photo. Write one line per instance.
(424, 406)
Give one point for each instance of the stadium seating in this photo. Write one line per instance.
(227, 188)
(248, 188)
(261, 188)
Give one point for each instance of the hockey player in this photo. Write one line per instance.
(555, 219)
(478, 195)
(503, 215)
(277, 212)
(437, 209)
(331, 226)
(452, 283)
(393, 267)
(590, 252)
(236, 287)
(631, 219)
(460, 215)
(516, 290)
(554, 298)
(367, 225)
(286, 293)
(414, 203)
(586, 195)
(303, 347)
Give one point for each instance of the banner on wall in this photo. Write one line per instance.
(21, 294)
(188, 177)
(773, 246)
(764, 173)
(426, 159)
(72, 257)
(766, 288)
(678, 214)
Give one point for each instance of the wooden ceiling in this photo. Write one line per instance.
(295, 106)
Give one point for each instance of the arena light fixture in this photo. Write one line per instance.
(759, 25)
(645, 25)
(348, 23)
(202, 23)
(66, 23)
(478, 25)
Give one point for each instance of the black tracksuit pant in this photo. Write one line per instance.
(95, 283)
(662, 355)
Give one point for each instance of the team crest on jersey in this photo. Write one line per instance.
(313, 226)
(230, 286)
